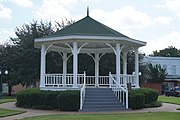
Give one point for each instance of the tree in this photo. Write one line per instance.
(22, 59)
(167, 52)
(7, 57)
(156, 74)
(27, 59)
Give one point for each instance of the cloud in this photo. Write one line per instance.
(124, 19)
(4, 33)
(5, 13)
(170, 39)
(23, 3)
(55, 9)
(127, 17)
(163, 20)
(86, 1)
(174, 5)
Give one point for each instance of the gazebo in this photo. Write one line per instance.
(95, 39)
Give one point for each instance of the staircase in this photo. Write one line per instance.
(101, 99)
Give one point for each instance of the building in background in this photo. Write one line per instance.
(172, 66)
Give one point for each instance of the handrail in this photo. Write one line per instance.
(117, 83)
(119, 91)
(83, 92)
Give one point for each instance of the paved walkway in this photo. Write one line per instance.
(31, 112)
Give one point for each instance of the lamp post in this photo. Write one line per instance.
(3, 71)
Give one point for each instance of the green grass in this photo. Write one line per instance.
(5, 99)
(7, 112)
(173, 100)
(125, 116)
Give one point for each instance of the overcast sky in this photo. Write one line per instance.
(155, 21)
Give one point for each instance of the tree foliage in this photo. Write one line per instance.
(22, 59)
(167, 52)
(27, 59)
(156, 74)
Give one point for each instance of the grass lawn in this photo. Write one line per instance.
(5, 99)
(125, 116)
(173, 100)
(7, 112)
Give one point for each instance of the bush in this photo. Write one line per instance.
(143, 97)
(35, 98)
(153, 104)
(69, 100)
(151, 95)
(136, 100)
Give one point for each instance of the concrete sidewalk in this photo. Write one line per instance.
(32, 112)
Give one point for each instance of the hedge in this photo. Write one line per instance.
(143, 97)
(69, 101)
(151, 95)
(136, 100)
(37, 99)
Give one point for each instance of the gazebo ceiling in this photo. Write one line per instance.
(88, 30)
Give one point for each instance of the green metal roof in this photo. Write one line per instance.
(87, 27)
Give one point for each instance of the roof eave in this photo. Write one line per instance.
(77, 37)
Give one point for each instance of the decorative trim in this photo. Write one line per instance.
(81, 47)
(69, 47)
(80, 37)
(91, 56)
(111, 47)
(45, 52)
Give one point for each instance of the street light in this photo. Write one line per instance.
(3, 70)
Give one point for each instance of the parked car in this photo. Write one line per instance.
(173, 92)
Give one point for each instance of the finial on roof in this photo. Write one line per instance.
(87, 10)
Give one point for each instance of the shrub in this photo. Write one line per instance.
(143, 97)
(69, 100)
(35, 98)
(151, 95)
(153, 104)
(136, 100)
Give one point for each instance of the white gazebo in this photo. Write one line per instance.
(95, 39)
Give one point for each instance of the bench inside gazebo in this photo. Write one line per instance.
(95, 39)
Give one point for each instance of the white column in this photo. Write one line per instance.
(43, 66)
(137, 67)
(96, 68)
(125, 62)
(125, 68)
(118, 66)
(75, 64)
(64, 68)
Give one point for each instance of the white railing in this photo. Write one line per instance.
(53, 79)
(90, 80)
(61, 80)
(119, 91)
(124, 79)
(57, 79)
(83, 92)
(69, 79)
(103, 81)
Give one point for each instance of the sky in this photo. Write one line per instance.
(156, 22)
